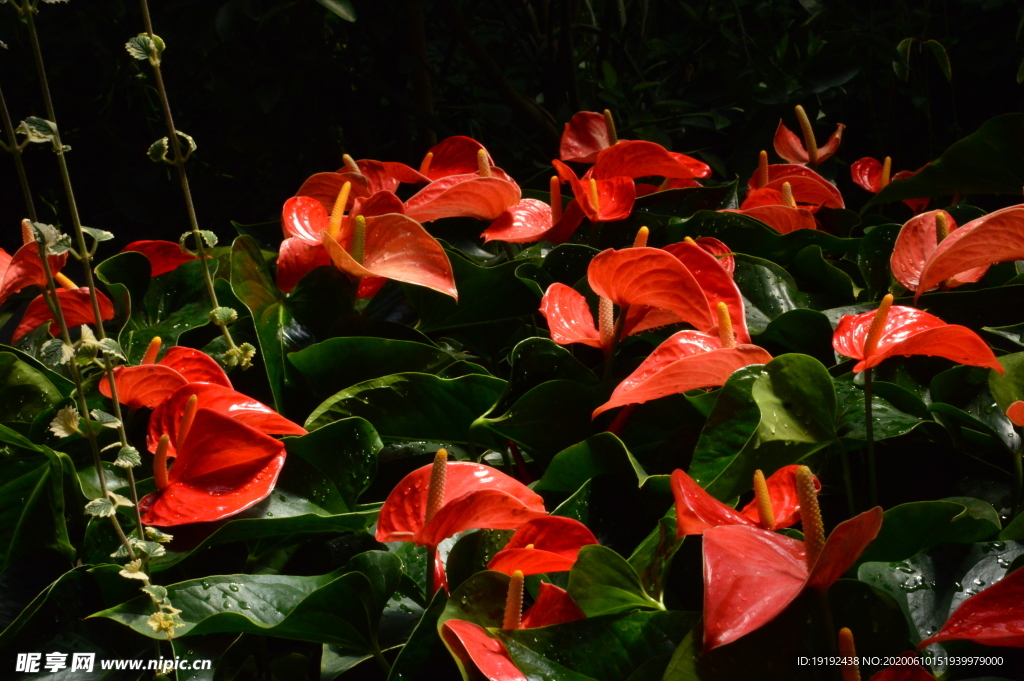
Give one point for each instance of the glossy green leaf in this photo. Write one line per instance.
(769, 290)
(851, 418)
(342, 8)
(411, 407)
(824, 282)
(472, 552)
(801, 330)
(601, 454)
(62, 383)
(345, 452)
(424, 657)
(480, 600)
(26, 390)
(652, 559)
(913, 527)
(1008, 387)
(602, 583)
(873, 256)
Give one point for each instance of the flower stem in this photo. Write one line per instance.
(620, 323)
(851, 502)
(84, 255)
(869, 428)
(826, 615)
(19, 164)
(179, 162)
(379, 657)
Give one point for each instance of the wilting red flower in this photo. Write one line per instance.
(918, 239)
(150, 383)
(873, 175)
(908, 331)
(374, 240)
(442, 499)
(164, 256)
(546, 544)
(76, 306)
(166, 417)
(223, 467)
(809, 189)
(751, 575)
(655, 287)
(993, 617)
(684, 361)
(25, 268)
(789, 146)
(602, 200)
(996, 237)
(697, 511)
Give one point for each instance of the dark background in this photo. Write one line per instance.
(274, 90)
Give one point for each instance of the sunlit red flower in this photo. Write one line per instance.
(809, 190)
(638, 158)
(222, 468)
(532, 220)
(586, 135)
(806, 152)
(602, 200)
(545, 544)
(874, 176)
(76, 306)
(483, 192)
(1015, 412)
(150, 383)
(164, 256)
(916, 242)
(25, 268)
(442, 499)
(992, 238)
(993, 616)
(908, 331)
(698, 511)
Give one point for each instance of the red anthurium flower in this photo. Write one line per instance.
(365, 178)
(782, 218)
(638, 158)
(776, 504)
(455, 155)
(532, 220)
(223, 467)
(992, 238)
(907, 331)
(723, 253)
(151, 382)
(635, 279)
(685, 361)
(601, 200)
(545, 544)
(167, 415)
(77, 308)
(751, 574)
(789, 146)
(473, 646)
(164, 256)
(484, 194)
(1015, 412)
(993, 617)
(25, 268)
(875, 176)
(440, 500)
(917, 240)
(808, 188)
(586, 135)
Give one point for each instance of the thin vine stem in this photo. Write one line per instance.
(83, 252)
(19, 164)
(179, 162)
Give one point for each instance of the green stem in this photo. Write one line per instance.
(12, 143)
(828, 623)
(179, 163)
(379, 656)
(869, 428)
(851, 502)
(84, 254)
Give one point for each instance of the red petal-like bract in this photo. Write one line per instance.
(584, 137)
(908, 670)
(843, 547)
(686, 360)
(166, 417)
(303, 217)
(615, 195)
(915, 244)
(196, 366)
(697, 511)
(808, 187)
(472, 487)
(867, 172)
(992, 238)
(782, 493)
(553, 606)
(522, 223)
(909, 331)
(651, 277)
(325, 187)
(296, 258)
(993, 617)
(750, 576)
(545, 544)
(470, 196)
(455, 155)
(1015, 412)
(144, 386)
(397, 247)
(715, 282)
(164, 256)
(718, 249)
(25, 268)
(77, 308)
(782, 219)
(569, 317)
(790, 147)
(224, 467)
(475, 649)
(637, 158)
